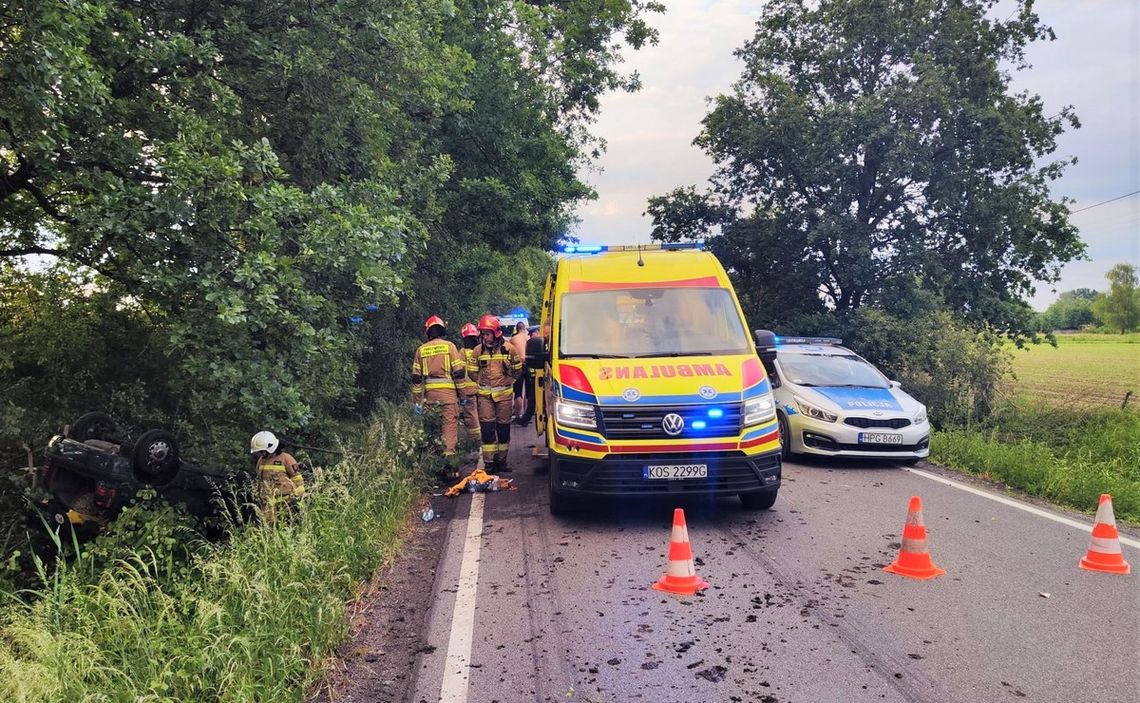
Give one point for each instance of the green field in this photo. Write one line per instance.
(1061, 434)
(1082, 371)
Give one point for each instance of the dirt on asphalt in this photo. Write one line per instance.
(377, 663)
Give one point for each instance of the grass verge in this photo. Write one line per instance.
(1063, 455)
(252, 619)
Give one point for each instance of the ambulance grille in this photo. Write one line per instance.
(645, 422)
(728, 473)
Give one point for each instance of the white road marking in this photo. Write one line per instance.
(457, 666)
(1084, 527)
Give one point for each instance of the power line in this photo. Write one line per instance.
(1106, 202)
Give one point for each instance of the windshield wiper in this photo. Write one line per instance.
(595, 356)
(855, 385)
(661, 355)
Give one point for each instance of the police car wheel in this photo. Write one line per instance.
(785, 438)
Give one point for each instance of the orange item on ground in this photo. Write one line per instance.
(914, 560)
(1104, 552)
(680, 575)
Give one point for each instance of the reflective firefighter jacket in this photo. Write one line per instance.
(495, 369)
(466, 386)
(436, 366)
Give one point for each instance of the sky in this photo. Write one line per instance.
(1094, 65)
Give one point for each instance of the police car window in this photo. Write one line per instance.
(831, 370)
(647, 322)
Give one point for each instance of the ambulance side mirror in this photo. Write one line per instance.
(536, 355)
(766, 349)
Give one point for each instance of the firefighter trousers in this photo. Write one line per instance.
(470, 414)
(448, 404)
(495, 426)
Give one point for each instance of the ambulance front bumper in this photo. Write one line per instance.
(729, 473)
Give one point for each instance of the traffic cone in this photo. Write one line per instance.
(680, 575)
(1104, 547)
(913, 560)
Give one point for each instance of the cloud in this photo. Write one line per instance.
(1093, 65)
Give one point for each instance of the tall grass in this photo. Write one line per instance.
(249, 620)
(1062, 454)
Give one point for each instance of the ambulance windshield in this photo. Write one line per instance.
(651, 322)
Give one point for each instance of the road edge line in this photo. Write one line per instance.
(457, 663)
(1086, 528)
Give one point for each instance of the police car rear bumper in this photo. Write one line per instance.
(729, 473)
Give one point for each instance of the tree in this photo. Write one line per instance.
(1072, 310)
(879, 142)
(1120, 306)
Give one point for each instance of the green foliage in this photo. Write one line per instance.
(1065, 455)
(1072, 310)
(875, 148)
(1119, 308)
(938, 358)
(250, 620)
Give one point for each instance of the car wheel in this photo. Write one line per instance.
(155, 458)
(761, 500)
(785, 438)
(559, 504)
(93, 426)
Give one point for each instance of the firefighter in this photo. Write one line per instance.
(468, 389)
(279, 480)
(495, 367)
(437, 370)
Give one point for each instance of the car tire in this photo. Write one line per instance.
(93, 426)
(155, 458)
(559, 504)
(761, 500)
(786, 453)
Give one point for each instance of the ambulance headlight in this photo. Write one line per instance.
(809, 410)
(759, 410)
(574, 414)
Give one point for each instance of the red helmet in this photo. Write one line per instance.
(433, 321)
(490, 323)
(468, 330)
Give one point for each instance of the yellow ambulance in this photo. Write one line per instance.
(649, 383)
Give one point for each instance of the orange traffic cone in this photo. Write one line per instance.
(913, 560)
(680, 576)
(1104, 547)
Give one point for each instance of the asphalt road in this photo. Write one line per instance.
(530, 607)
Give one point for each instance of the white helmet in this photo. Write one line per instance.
(264, 441)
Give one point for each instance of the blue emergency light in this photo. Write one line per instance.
(716, 413)
(699, 424)
(599, 248)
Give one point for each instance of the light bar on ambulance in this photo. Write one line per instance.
(599, 248)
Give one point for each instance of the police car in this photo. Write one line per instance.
(830, 401)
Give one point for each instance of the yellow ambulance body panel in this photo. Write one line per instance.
(651, 384)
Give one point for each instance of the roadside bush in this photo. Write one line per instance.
(954, 369)
(249, 620)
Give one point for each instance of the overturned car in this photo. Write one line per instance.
(92, 471)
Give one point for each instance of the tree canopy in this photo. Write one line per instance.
(871, 149)
(1119, 308)
(249, 178)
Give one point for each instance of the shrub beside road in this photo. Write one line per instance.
(1062, 434)
(252, 619)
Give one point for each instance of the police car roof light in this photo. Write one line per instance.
(808, 340)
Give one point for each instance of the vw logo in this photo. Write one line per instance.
(631, 394)
(707, 392)
(673, 424)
